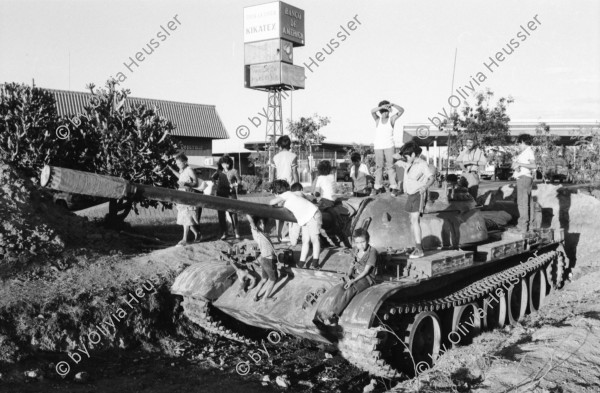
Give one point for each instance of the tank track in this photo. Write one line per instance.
(199, 312)
(367, 348)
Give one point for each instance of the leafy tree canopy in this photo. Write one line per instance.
(305, 132)
(487, 124)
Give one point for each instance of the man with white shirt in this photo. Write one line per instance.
(359, 173)
(384, 143)
(524, 166)
(471, 161)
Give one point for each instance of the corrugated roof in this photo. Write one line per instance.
(192, 120)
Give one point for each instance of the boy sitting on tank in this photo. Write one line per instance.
(359, 276)
(308, 217)
(417, 179)
(267, 259)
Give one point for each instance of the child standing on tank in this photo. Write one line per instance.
(308, 217)
(268, 257)
(384, 143)
(417, 179)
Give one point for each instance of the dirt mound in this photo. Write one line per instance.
(122, 300)
(579, 215)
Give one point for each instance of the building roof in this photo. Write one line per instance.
(332, 146)
(191, 120)
(566, 130)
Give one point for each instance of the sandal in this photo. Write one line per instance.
(182, 243)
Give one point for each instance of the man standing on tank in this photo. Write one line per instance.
(384, 144)
(525, 167)
(471, 159)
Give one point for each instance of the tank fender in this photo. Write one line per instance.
(362, 309)
(206, 280)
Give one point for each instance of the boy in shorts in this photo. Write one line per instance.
(360, 276)
(417, 179)
(267, 259)
(308, 217)
(294, 228)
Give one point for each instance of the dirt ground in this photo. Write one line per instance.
(554, 350)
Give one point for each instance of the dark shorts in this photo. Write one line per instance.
(269, 269)
(413, 203)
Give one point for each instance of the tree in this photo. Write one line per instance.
(586, 156)
(366, 151)
(306, 133)
(260, 160)
(547, 152)
(28, 120)
(488, 125)
(130, 142)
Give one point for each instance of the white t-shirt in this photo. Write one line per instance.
(527, 156)
(285, 163)
(302, 209)
(327, 186)
(384, 134)
(360, 178)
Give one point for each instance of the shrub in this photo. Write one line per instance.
(266, 186)
(28, 121)
(252, 183)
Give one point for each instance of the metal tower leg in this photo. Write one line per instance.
(274, 125)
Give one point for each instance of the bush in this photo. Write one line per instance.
(266, 186)
(28, 121)
(252, 183)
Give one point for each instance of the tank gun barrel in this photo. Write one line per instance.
(79, 182)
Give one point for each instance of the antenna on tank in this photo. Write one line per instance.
(449, 130)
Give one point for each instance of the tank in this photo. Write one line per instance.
(474, 276)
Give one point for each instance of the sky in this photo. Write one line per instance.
(402, 51)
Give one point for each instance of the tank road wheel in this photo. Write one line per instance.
(464, 325)
(516, 300)
(537, 290)
(423, 338)
(494, 310)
